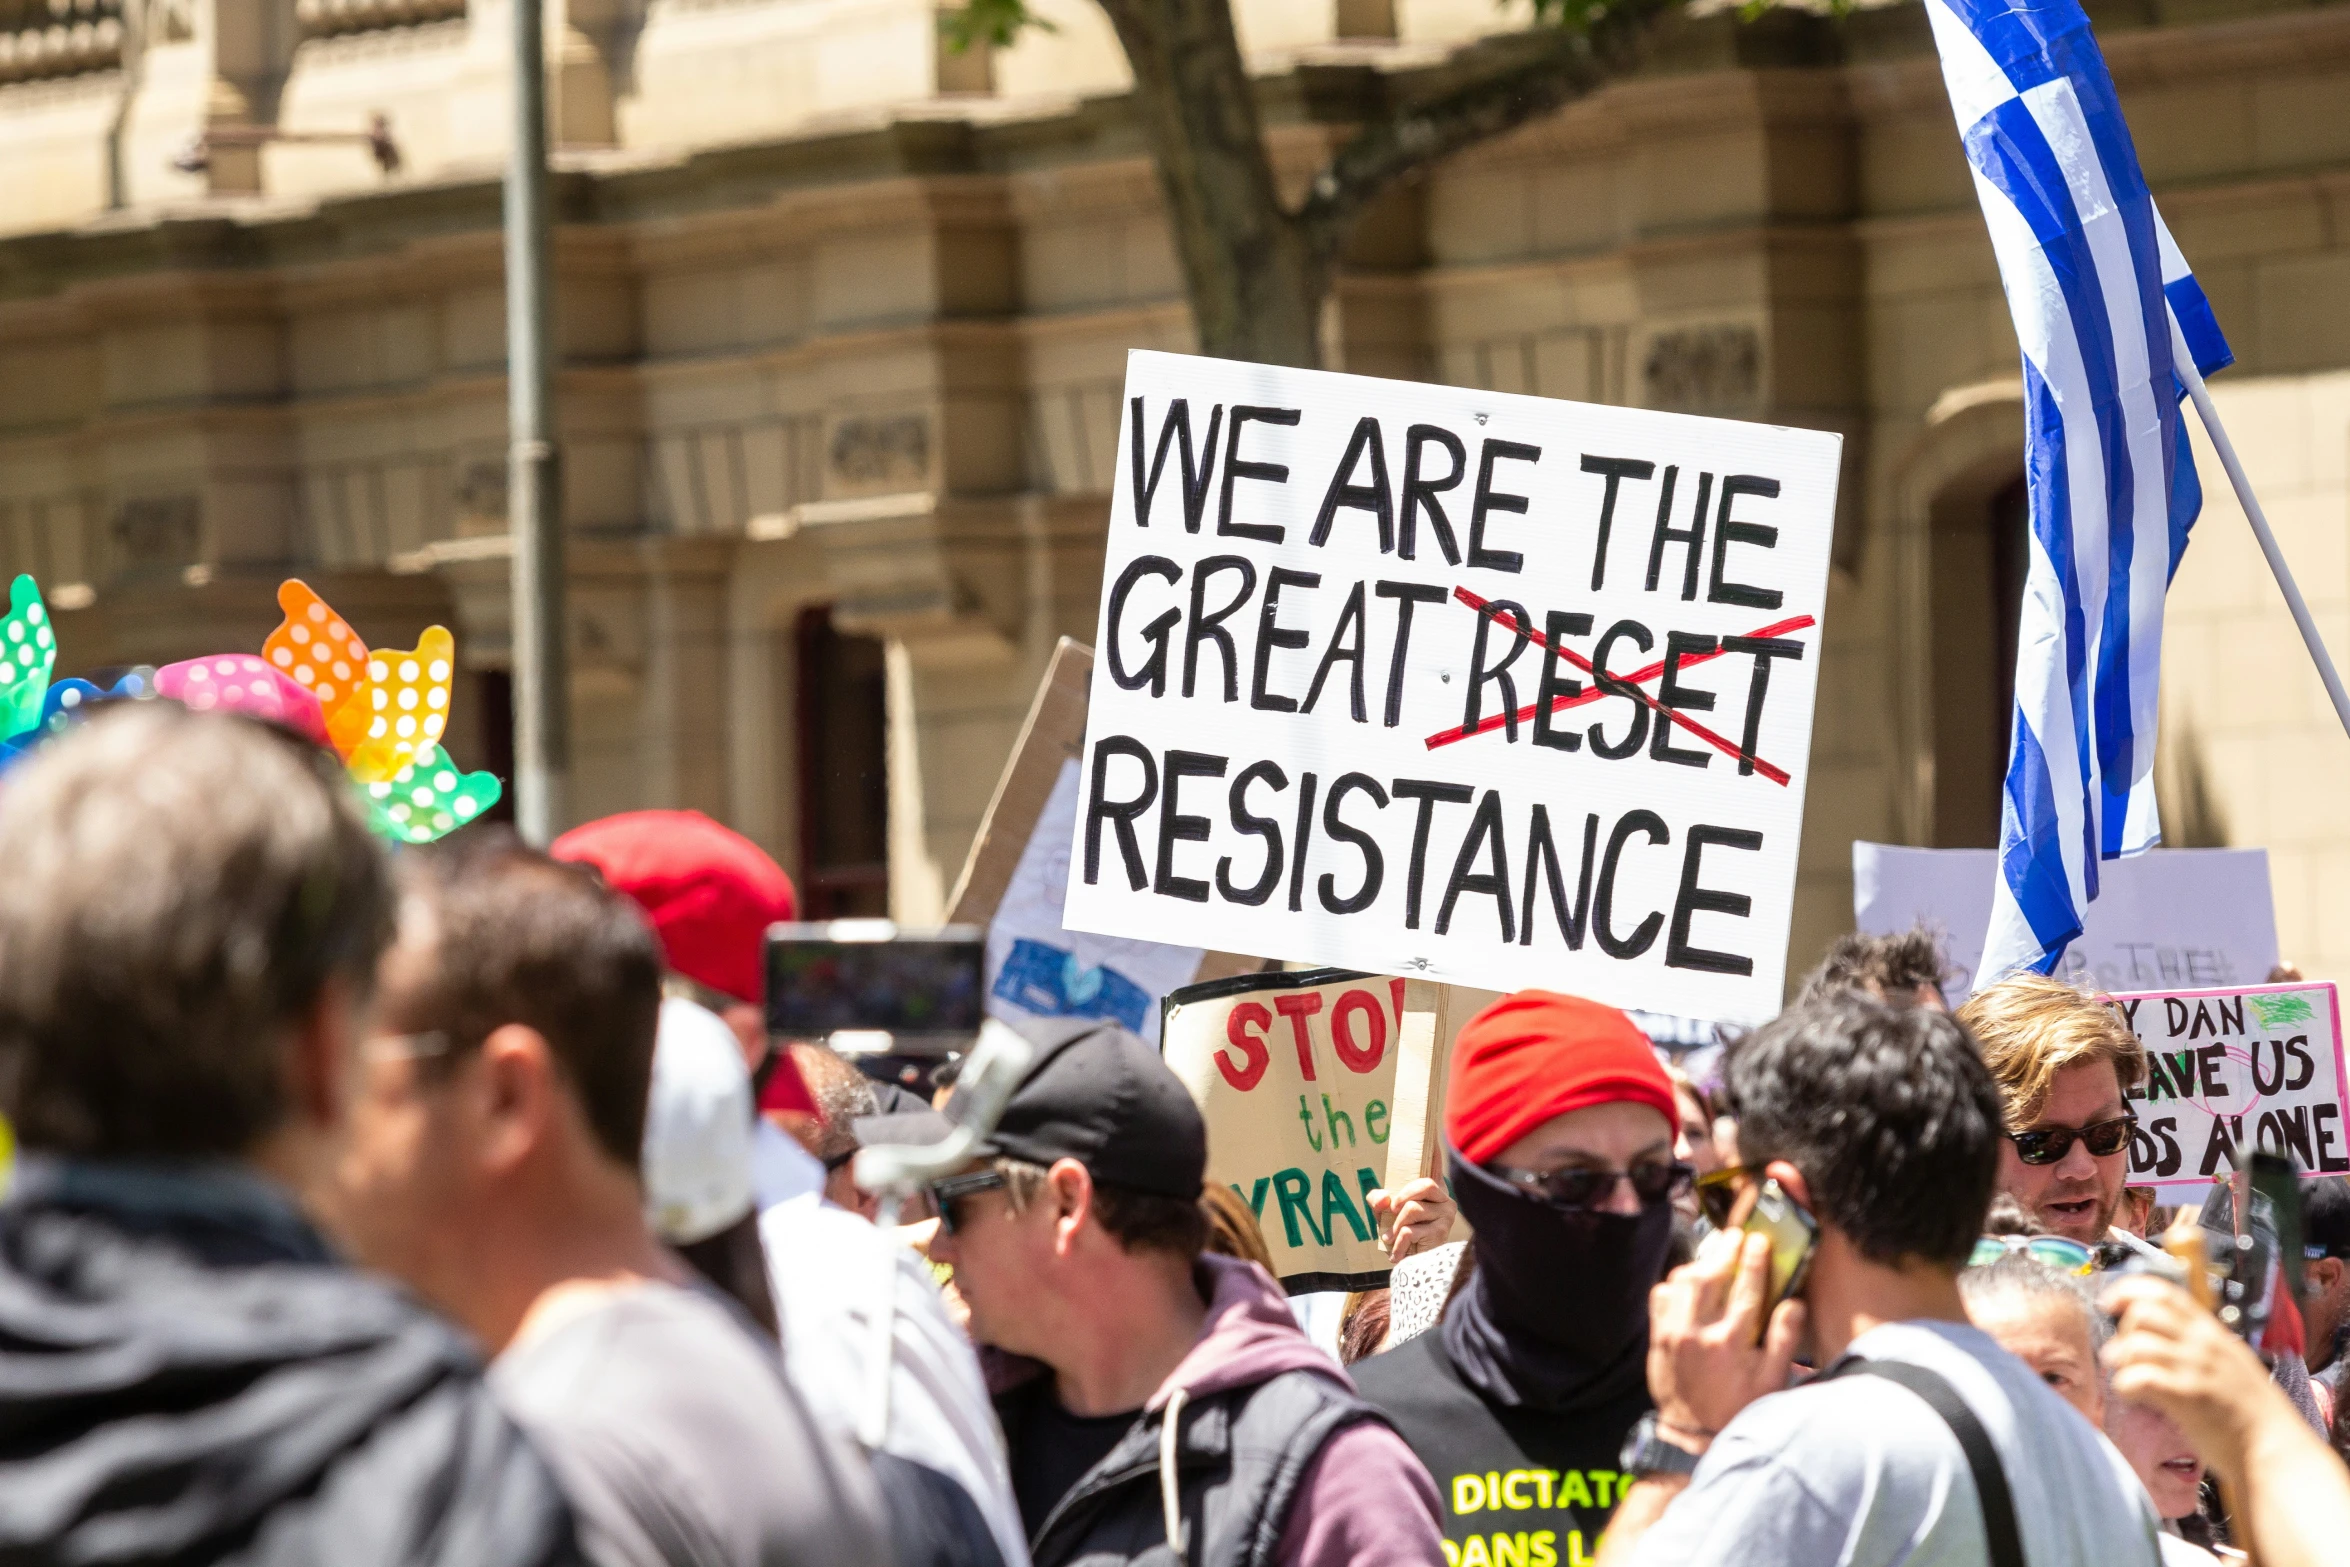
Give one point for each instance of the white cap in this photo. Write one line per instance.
(697, 1157)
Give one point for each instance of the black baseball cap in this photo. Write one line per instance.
(1097, 1094)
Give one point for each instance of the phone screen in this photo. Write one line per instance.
(919, 987)
(1792, 1233)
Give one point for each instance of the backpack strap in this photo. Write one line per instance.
(1999, 1529)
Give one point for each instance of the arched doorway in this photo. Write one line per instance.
(843, 745)
(1980, 552)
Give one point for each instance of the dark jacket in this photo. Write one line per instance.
(1278, 1462)
(187, 1376)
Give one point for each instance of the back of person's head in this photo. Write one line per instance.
(699, 1192)
(1889, 1114)
(2032, 1027)
(182, 890)
(843, 1095)
(1899, 969)
(1232, 1226)
(521, 938)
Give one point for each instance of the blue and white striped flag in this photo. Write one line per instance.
(2095, 284)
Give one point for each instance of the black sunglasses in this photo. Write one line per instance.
(944, 1195)
(1652, 1183)
(2047, 1144)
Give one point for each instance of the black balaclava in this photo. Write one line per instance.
(1556, 1316)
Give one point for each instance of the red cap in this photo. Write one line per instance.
(709, 892)
(1536, 1055)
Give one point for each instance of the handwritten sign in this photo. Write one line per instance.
(1454, 684)
(2242, 1069)
(1296, 1076)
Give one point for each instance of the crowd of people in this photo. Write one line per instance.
(458, 1209)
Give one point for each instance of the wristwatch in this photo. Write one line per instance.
(1648, 1453)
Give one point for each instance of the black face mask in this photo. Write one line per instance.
(1556, 1315)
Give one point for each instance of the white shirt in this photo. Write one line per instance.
(868, 1343)
(780, 1168)
(1859, 1472)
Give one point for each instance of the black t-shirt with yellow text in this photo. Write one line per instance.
(1517, 1487)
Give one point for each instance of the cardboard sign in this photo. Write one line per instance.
(2169, 918)
(1306, 1087)
(1018, 868)
(2241, 1069)
(1455, 684)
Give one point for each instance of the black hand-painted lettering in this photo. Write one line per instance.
(1429, 793)
(1727, 533)
(1542, 864)
(1244, 820)
(1235, 470)
(1694, 899)
(1177, 827)
(1120, 814)
(1340, 651)
(1671, 694)
(1205, 627)
(1691, 538)
(1604, 899)
(1271, 634)
(1489, 500)
(1376, 496)
(1153, 672)
(1484, 834)
(1305, 837)
(1617, 470)
(1521, 633)
(1176, 426)
(1557, 626)
(1333, 826)
(1406, 595)
(1615, 685)
(1764, 650)
(1419, 491)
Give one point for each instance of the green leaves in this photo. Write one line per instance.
(993, 22)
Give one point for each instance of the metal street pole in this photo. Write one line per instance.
(534, 494)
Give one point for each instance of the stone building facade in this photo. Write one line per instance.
(842, 319)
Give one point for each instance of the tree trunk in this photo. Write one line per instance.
(1256, 286)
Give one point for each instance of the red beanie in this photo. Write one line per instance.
(1536, 1055)
(709, 892)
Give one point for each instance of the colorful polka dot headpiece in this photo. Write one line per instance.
(381, 711)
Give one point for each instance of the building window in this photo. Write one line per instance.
(843, 729)
(1982, 551)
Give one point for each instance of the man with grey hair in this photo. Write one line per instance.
(189, 928)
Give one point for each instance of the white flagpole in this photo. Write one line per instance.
(2184, 363)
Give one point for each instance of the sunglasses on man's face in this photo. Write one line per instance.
(2047, 1144)
(1652, 1182)
(947, 1195)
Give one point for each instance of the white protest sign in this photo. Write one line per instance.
(1455, 684)
(2233, 1071)
(2169, 918)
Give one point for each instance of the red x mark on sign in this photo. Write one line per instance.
(1638, 677)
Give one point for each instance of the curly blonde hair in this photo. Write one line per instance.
(2032, 1027)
